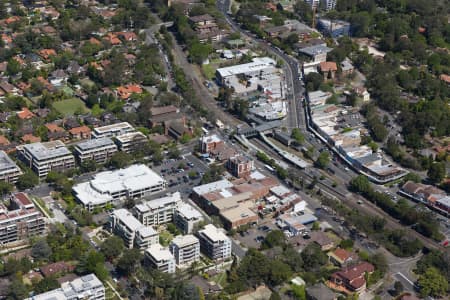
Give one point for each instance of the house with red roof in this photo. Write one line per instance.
(46, 53)
(351, 279)
(81, 132)
(125, 92)
(342, 257)
(328, 69)
(25, 114)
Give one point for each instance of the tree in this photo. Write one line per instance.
(112, 247)
(5, 187)
(88, 165)
(120, 160)
(128, 261)
(17, 290)
(323, 160)
(432, 283)
(313, 81)
(398, 288)
(297, 135)
(275, 296)
(313, 257)
(3, 10)
(346, 244)
(13, 67)
(299, 292)
(360, 184)
(198, 52)
(273, 239)
(185, 291)
(41, 250)
(436, 172)
(27, 180)
(46, 284)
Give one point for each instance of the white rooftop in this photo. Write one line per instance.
(184, 240)
(113, 127)
(213, 233)
(130, 136)
(128, 219)
(6, 162)
(100, 188)
(146, 231)
(47, 150)
(155, 204)
(280, 190)
(188, 211)
(258, 63)
(159, 253)
(213, 186)
(95, 143)
(213, 138)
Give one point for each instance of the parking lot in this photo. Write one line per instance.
(253, 237)
(181, 174)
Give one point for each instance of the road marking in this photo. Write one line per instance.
(406, 278)
(114, 290)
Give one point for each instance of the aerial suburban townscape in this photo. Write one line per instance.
(224, 149)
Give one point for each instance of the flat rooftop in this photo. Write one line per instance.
(213, 186)
(47, 150)
(315, 50)
(188, 211)
(130, 136)
(127, 218)
(155, 204)
(113, 127)
(184, 240)
(213, 233)
(95, 144)
(258, 63)
(6, 162)
(159, 253)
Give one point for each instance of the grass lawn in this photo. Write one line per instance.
(70, 106)
(209, 70)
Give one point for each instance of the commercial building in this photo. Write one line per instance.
(157, 211)
(109, 187)
(427, 194)
(133, 232)
(98, 150)
(9, 171)
(240, 165)
(214, 243)
(160, 258)
(258, 67)
(131, 141)
(185, 249)
(186, 217)
(88, 287)
(317, 53)
(20, 220)
(112, 130)
(210, 142)
(45, 157)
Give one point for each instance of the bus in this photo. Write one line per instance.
(269, 168)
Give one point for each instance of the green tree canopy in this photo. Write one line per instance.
(432, 283)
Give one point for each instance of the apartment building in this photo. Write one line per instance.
(133, 232)
(131, 141)
(111, 187)
(20, 220)
(88, 287)
(160, 258)
(158, 211)
(112, 130)
(210, 142)
(98, 150)
(186, 217)
(9, 171)
(185, 249)
(45, 157)
(214, 243)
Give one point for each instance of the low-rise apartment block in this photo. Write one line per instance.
(158, 211)
(99, 150)
(214, 243)
(131, 141)
(45, 157)
(133, 232)
(88, 287)
(20, 220)
(185, 249)
(9, 171)
(110, 187)
(240, 165)
(112, 130)
(186, 217)
(160, 258)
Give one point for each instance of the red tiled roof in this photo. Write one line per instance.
(342, 254)
(81, 129)
(25, 114)
(4, 141)
(326, 66)
(53, 127)
(445, 78)
(29, 138)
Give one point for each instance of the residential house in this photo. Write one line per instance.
(125, 92)
(47, 53)
(328, 69)
(58, 78)
(81, 132)
(351, 279)
(342, 257)
(30, 138)
(57, 268)
(240, 165)
(25, 114)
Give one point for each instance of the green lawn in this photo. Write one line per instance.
(70, 106)
(209, 70)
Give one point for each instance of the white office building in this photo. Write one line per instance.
(112, 130)
(110, 187)
(88, 287)
(9, 171)
(214, 243)
(258, 67)
(158, 211)
(45, 157)
(98, 150)
(129, 141)
(160, 258)
(133, 232)
(185, 249)
(186, 217)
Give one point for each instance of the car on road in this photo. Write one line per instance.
(259, 239)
